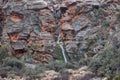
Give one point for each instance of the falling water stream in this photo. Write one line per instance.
(62, 48)
(63, 52)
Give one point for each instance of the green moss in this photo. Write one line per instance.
(57, 53)
(101, 13)
(117, 78)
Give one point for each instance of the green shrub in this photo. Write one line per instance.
(41, 69)
(107, 62)
(11, 63)
(100, 13)
(4, 52)
(28, 71)
(55, 65)
(4, 49)
(60, 66)
(84, 62)
(106, 23)
(118, 16)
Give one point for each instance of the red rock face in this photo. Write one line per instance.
(61, 16)
(72, 10)
(16, 17)
(14, 37)
(44, 56)
(47, 21)
(47, 24)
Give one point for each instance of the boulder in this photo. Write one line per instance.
(36, 4)
(18, 45)
(91, 2)
(71, 47)
(69, 2)
(66, 27)
(49, 75)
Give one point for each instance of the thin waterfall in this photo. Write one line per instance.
(62, 48)
(63, 52)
